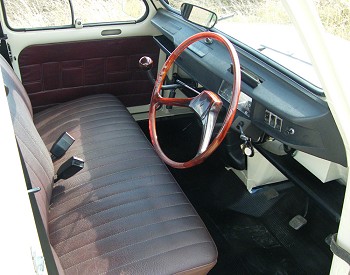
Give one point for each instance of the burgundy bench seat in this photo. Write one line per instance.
(123, 213)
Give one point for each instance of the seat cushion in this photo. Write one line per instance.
(123, 213)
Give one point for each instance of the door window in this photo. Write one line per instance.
(37, 14)
(44, 14)
(92, 11)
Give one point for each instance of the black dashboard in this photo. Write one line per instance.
(270, 101)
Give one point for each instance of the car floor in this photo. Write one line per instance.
(251, 230)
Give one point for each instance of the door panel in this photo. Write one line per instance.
(61, 64)
(55, 73)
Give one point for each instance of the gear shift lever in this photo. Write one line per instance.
(146, 64)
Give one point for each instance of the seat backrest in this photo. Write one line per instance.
(35, 153)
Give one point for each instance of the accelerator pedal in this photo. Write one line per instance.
(297, 222)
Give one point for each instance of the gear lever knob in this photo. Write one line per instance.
(145, 63)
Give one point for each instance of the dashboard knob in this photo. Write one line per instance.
(290, 131)
(247, 149)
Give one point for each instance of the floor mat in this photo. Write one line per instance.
(256, 244)
(251, 231)
(261, 200)
(251, 246)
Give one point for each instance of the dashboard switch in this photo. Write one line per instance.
(273, 120)
(278, 124)
(267, 117)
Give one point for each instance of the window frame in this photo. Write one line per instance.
(275, 65)
(72, 25)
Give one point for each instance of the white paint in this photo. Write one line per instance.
(323, 169)
(332, 69)
(18, 236)
(259, 172)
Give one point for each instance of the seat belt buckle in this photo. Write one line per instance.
(61, 146)
(70, 168)
(34, 190)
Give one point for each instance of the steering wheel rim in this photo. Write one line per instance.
(210, 100)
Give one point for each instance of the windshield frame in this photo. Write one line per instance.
(275, 65)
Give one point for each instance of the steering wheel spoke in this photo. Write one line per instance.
(207, 106)
(208, 123)
(181, 102)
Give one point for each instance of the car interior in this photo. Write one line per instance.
(165, 146)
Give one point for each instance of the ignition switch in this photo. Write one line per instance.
(246, 147)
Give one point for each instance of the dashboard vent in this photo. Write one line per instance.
(248, 77)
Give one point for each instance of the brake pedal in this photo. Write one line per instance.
(297, 222)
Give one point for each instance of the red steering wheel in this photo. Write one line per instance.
(206, 105)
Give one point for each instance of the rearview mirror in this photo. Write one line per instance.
(198, 15)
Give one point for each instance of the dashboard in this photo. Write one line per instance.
(244, 101)
(270, 101)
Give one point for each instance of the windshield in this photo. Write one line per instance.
(265, 26)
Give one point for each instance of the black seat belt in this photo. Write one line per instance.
(44, 241)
